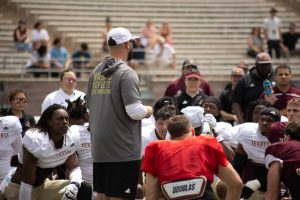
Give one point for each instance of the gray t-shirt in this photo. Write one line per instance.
(115, 136)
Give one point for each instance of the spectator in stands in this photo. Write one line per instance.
(59, 57)
(39, 35)
(290, 39)
(67, 91)
(192, 96)
(164, 55)
(283, 162)
(226, 95)
(108, 26)
(283, 90)
(20, 37)
(18, 101)
(272, 32)
(178, 86)
(250, 87)
(148, 34)
(81, 58)
(40, 61)
(49, 144)
(138, 54)
(165, 32)
(255, 43)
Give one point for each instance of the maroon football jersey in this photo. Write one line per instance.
(276, 132)
(289, 153)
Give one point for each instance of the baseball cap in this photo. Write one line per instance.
(272, 112)
(263, 58)
(118, 36)
(10, 124)
(189, 63)
(194, 74)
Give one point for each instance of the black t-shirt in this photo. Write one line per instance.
(290, 40)
(247, 91)
(185, 100)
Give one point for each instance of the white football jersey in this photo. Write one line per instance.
(10, 142)
(254, 143)
(148, 135)
(84, 152)
(41, 147)
(224, 129)
(236, 133)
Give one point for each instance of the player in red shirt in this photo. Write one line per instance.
(187, 157)
(283, 161)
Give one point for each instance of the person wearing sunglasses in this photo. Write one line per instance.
(18, 101)
(67, 91)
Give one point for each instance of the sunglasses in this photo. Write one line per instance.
(20, 100)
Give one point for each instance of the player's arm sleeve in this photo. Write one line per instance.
(136, 111)
(270, 156)
(17, 144)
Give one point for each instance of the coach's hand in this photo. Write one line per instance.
(70, 191)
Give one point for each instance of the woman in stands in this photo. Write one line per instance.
(49, 144)
(20, 37)
(18, 101)
(255, 43)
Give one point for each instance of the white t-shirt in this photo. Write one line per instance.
(35, 58)
(272, 25)
(39, 35)
(84, 152)
(42, 148)
(148, 136)
(254, 143)
(166, 58)
(10, 142)
(59, 97)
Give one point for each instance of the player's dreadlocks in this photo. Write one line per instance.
(76, 109)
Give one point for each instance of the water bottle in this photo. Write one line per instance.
(268, 87)
(7, 179)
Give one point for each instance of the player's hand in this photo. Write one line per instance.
(209, 118)
(69, 192)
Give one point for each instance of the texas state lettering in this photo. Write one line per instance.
(101, 84)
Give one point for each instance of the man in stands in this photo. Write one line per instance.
(290, 40)
(283, 161)
(272, 32)
(249, 87)
(67, 91)
(283, 90)
(187, 157)
(178, 86)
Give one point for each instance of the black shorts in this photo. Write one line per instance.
(116, 179)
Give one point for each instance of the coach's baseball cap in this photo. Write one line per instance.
(193, 74)
(10, 124)
(118, 36)
(189, 63)
(263, 58)
(272, 112)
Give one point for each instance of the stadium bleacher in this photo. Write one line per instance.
(212, 32)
